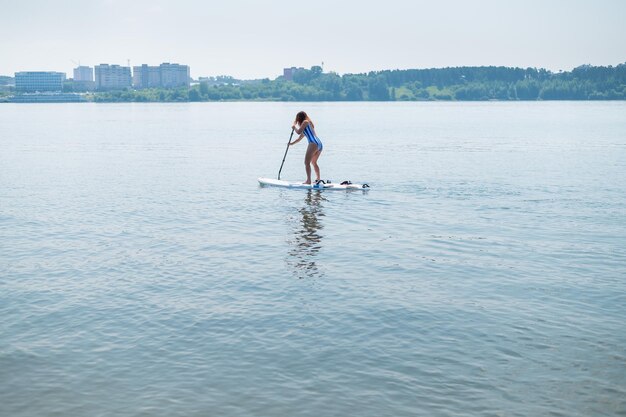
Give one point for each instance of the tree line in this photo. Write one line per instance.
(459, 83)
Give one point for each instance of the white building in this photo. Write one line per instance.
(145, 76)
(112, 77)
(83, 73)
(38, 81)
(165, 75)
(174, 75)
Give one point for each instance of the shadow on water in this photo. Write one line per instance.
(307, 241)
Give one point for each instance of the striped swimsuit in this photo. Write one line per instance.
(312, 138)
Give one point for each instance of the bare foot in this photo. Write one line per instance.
(307, 183)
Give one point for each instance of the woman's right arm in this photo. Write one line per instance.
(301, 128)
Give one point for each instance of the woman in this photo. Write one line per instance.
(305, 127)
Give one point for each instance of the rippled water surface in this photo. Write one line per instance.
(145, 273)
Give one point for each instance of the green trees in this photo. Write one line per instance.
(377, 89)
(527, 89)
(305, 76)
(460, 83)
(194, 95)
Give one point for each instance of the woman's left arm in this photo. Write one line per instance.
(297, 140)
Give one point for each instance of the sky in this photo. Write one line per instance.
(257, 39)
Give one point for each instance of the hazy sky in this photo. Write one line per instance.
(256, 39)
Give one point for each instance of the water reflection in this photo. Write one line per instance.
(306, 242)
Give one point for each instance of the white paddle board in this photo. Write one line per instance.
(272, 182)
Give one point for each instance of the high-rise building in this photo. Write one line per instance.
(83, 73)
(174, 75)
(112, 77)
(146, 76)
(38, 81)
(289, 72)
(165, 75)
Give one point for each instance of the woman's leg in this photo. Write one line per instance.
(310, 151)
(314, 159)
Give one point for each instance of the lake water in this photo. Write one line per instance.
(145, 273)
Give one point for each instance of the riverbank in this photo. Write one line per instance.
(440, 84)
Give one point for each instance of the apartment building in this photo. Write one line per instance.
(112, 77)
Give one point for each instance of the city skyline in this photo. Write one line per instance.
(103, 77)
(286, 72)
(248, 40)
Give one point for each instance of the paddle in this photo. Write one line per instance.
(288, 143)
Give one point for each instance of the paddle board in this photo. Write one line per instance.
(321, 186)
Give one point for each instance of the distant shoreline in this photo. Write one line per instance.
(312, 101)
(584, 83)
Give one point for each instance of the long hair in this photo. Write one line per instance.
(301, 117)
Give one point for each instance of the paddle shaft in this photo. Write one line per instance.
(286, 150)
